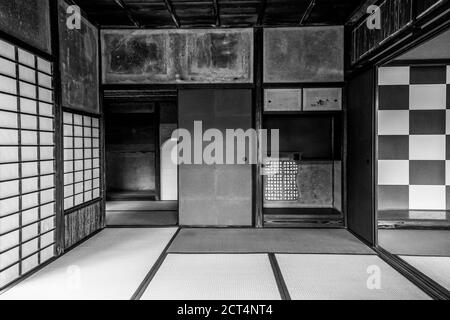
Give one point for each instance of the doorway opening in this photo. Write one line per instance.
(413, 158)
(141, 182)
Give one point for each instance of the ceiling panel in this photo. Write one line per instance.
(331, 11)
(217, 13)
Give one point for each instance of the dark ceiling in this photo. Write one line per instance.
(217, 13)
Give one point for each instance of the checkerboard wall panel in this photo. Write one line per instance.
(414, 138)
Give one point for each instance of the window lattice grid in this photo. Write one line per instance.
(281, 181)
(81, 159)
(27, 162)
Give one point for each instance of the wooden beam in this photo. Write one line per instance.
(171, 10)
(258, 183)
(121, 4)
(308, 12)
(261, 13)
(361, 11)
(59, 131)
(217, 12)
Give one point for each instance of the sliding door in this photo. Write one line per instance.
(217, 194)
(360, 146)
(27, 163)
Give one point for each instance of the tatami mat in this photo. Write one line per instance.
(141, 206)
(331, 241)
(436, 268)
(111, 265)
(339, 277)
(139, 218)
(214, 277)
(432, 243)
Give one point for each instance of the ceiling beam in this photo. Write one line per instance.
(360, 12)
(308, 12)
(261, 13)
(217, 12)
(171, 10)
(121, 4)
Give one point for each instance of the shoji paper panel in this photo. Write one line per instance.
(27, 168)
(81, 159)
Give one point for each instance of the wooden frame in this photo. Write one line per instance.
(428, 285)
(51, 58)
(258, 86)
(425, 27)
(60, 220)
(156, 132)
(404, 38)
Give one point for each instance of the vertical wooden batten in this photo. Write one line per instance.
(59, 139)
(258, 103)
(158, 151)
(102, 134)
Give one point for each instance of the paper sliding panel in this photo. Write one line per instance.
(9, 275)
(8, 102)
(7, 67)
(9, 240)
(8, 119)
(27, 163)
(81, 158)
(8, 206)
(9, 137)
(30, 263)
(9, 171)
(7, 50)
(9, 223)
(8, 85)
(9, 258)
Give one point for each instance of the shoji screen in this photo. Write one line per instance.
(81, 159)
(27, 164)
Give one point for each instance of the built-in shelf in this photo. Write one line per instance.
(304, 212)
(303, 113)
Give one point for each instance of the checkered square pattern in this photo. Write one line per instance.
(414, 138)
